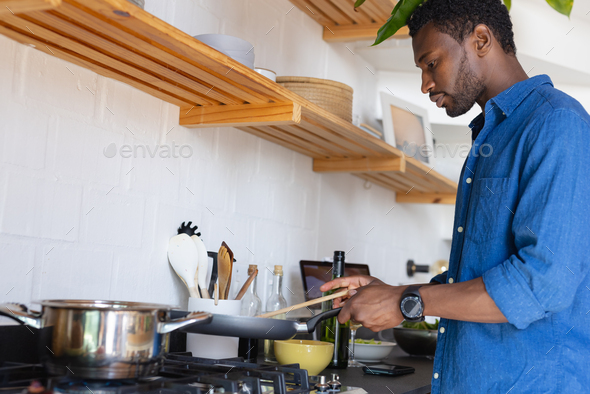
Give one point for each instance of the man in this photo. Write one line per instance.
(514, 303)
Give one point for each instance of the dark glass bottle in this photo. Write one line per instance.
(251, 306)
(331, 329)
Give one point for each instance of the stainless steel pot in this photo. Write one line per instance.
(102, 339)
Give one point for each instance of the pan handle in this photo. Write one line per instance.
(21, 314)
(313, 322)
(193, 318)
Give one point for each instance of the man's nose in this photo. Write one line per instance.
(427, 83)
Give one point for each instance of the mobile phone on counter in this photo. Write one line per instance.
(389, 370)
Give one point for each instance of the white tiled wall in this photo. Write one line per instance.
(75, 223)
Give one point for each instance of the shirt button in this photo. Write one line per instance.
(451, 280)
(503, 114)
(436, 375)
(460, 229)
(442, 330)
(468, 180)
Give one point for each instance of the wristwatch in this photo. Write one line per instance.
(411, 305)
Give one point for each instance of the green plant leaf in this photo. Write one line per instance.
(358, 3)
(508, 4)
(562, 6)
(399, 18)
(397, 5)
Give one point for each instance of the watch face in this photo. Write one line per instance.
(411, 307)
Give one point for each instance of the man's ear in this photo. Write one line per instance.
(482, 40)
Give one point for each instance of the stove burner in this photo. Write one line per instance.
(179, 374)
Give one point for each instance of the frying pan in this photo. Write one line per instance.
(254, 327)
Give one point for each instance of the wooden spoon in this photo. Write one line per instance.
(304, 304)
(246, 285)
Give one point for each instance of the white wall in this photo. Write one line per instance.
(76, 224)
(542, 33)
(406, 86)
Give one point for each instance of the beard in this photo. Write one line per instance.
(470, 88)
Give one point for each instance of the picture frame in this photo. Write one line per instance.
(406, 126)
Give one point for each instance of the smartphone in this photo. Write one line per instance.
(390, 370)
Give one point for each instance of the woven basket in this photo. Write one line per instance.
(332, 96)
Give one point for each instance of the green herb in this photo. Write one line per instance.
(421, 325)
(367, 342)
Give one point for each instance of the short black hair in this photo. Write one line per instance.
(458, 18)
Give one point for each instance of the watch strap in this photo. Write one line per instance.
(412, 290)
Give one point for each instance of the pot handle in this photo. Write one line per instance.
(21, 314)
(313, 322)
(193, 318)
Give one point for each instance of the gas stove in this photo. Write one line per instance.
(180, 373)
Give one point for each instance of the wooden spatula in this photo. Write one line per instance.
(224, 270)
(231, 269)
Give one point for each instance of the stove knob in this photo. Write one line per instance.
(334, 383)
(322, 386)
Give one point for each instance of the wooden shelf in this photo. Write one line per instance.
(116, 39)
(119, 40)
(342, 23)
(339, 146)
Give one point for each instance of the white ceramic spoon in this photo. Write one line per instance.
(203, 265)
(183, 256)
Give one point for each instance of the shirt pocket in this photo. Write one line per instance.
(491, 212)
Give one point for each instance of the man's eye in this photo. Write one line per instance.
(431, 64)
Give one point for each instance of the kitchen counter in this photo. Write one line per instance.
(415, 383)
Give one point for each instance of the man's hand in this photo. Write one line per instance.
(376, 307)
(350, 283)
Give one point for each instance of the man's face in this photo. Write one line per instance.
(447, 74)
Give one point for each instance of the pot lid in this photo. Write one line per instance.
(104, 305)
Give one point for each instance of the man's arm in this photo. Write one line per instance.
(468, 301)
(376, 306)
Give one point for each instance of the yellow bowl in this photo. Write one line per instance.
(311, 355)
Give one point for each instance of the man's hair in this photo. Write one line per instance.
(458, 18)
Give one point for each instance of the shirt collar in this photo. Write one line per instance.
(512, 97)
(476, 125)
(509, 100)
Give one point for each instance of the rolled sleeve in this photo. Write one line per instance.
(440, 278)
(550, 226)
(512, 295)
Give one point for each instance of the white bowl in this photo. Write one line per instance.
(234, 47)
(267, 73)
(372, 353)
(225, 42)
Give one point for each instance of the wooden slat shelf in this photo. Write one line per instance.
(342, 23)
(116, 39)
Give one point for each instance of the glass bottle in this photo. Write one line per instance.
(275, 302)
(331, 329)
(251, 306)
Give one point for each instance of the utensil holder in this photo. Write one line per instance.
(212, 346)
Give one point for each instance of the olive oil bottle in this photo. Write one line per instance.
(331, 329)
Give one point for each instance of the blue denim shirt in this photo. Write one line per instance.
(522, 222)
